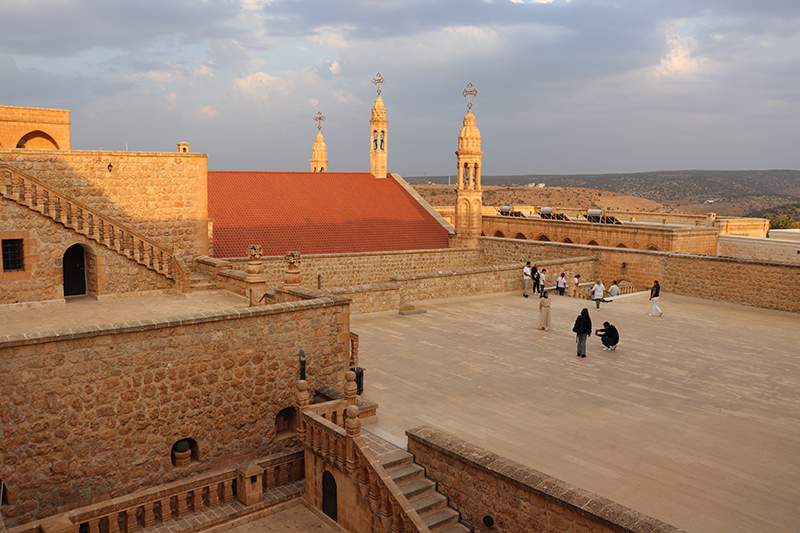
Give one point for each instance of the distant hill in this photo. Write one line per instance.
(663, 186)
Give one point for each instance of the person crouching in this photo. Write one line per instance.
(609, 336)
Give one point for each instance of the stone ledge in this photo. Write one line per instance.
(592, 506)
(21, 339)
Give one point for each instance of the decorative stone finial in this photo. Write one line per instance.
(254, 266)
(469, 92)
(319, 118)
(254, 252)
(350, 388)
(292, 277)
(378, 80)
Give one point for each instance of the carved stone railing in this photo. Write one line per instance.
(332, 432)
(70, 213)
(173, 500)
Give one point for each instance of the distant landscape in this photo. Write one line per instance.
(757, 193)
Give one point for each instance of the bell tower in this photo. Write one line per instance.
(377, 126)
(469, 195)
(319, 152)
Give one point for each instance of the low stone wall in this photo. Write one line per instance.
(92, 413)
(342, 270)
(370, 298)
(779, 251)
(758, 283)
(517, 498)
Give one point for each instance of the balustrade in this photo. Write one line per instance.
(72, 214)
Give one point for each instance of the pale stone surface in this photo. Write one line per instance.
(692, 420)
(294, 519)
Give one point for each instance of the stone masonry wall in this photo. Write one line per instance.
(518, 499)
(89, 414)
(758, 283)
(45, 242)
(759, 248)
(16, 122)
(340, 270)
(163, 196)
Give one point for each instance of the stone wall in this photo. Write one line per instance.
(16, 122)
(92, 413)
(339, 270)
(44, 243)
(482, 485)
(163, 196)
(758, 283)
(747, 227)
(780, 251)
(684, 239)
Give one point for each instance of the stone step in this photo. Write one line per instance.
(406, 472)
(440, 518)
(452, 528)
(428, 502)
(201, 282)
(396, 457)
(416, 487)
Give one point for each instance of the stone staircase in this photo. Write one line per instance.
(201, 282)
(431, 505)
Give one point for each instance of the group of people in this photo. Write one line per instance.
(609, 336)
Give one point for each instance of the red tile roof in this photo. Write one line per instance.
(316, 213)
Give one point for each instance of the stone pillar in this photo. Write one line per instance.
(352, 426)
(256, 281)
(301, 402)
(292, 277)
(350, 388)
(248, 484)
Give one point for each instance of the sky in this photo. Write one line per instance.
(564, 86)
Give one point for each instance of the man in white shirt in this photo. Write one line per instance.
(526, 278)
(598, 290)
(613, 290)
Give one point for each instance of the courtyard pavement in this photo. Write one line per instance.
(694, 419)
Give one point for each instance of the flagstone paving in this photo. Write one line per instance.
(694, 419)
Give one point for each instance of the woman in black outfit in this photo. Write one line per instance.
(582, 328)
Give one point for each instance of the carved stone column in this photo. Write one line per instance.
(248, 484)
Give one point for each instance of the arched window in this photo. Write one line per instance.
(651, 247)
(592, 243)
(542, 237)
(37, 140)
(620, 245)
(567, 240)
(520, 236)
(498, 233)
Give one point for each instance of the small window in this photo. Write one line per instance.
(13, 259)
(3, 493)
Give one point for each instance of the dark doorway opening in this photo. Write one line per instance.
(329, 506)
(74, 271)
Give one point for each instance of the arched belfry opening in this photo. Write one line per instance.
(74, 270)
(329, 496)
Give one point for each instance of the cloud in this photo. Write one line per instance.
(260, 86)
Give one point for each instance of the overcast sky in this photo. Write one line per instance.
(581, 86)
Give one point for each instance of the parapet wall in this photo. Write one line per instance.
(92, 413)
(761, 283)
(163, 196)
(515, 497)
(780, 251)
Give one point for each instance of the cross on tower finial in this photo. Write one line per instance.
(469, 92)
(378, 80)
(320, 119)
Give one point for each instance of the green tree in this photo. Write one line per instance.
(783, 222)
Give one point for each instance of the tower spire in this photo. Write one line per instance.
(378, 134)
(319, 152)
(469, 195)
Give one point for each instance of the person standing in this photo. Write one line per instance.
(576, 281)
(582, 329)
(609, 336)
(526, 278)
(655, 291)
(561, 284)
(544, 311)
(535, 275)
(542, 281)
(598, 290)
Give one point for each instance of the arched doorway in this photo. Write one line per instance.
(329, 505)
(74, 265)
(38, 140)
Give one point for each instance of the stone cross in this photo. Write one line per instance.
(320, 119)
(378, 80)
(469, 92)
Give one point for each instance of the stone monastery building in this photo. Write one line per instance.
(126, 426)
